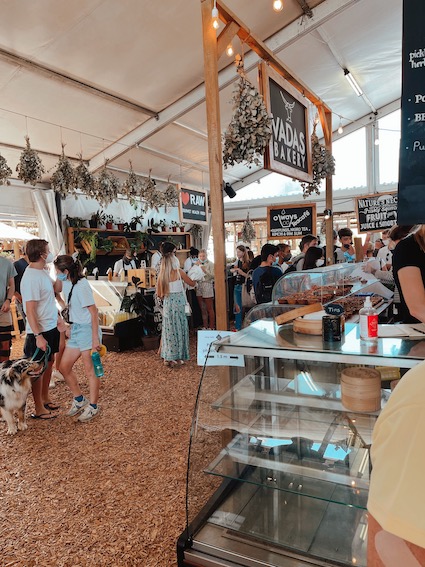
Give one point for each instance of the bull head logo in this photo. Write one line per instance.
(289, 107)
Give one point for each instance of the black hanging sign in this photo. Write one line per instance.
(376, 212)
(193, 206)
(411, 187)
(289, 149)
(291, 221)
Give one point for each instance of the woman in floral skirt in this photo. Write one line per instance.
(170, 288)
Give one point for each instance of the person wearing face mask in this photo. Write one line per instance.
(38, 298)
(85, 336)
(170, 288)
(205, 291)
(127, 262)
(313, 258)
(283, 257)
(384, 254)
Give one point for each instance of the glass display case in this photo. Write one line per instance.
(346, 284)
(278, 468)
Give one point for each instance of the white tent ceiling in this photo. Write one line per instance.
(92, 73)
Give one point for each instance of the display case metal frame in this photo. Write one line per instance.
(206, 542)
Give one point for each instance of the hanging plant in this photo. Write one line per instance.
(84, 180)
(248, 230)
(196, 232)
(250, 129)
(171, 196)
(5, 171)
(107, 187)
(30, 169)
(131, 187)
(149, 193)
(323, 165)
(63, 179)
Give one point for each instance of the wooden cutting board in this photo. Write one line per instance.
(300, 312)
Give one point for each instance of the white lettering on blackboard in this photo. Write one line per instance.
(417, 146)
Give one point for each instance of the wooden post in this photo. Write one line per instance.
(215, 163)
(326, 122)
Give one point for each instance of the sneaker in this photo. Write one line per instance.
(77, 406)
(89, 413)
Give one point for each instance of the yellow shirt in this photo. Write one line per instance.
(396, 496)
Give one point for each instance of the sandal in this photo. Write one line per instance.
(51, 407)
(43, 416)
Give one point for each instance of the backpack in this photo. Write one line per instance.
(263, 291)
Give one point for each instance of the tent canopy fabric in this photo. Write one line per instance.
(124, 80)
(10, 233)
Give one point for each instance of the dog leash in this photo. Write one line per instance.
(44, 358)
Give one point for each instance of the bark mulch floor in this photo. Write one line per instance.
(108, 492)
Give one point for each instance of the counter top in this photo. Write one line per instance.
(264, 338)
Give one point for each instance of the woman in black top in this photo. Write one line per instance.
(240, 272)
(409, 275)
(313, 258)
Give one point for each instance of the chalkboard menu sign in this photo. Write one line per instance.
(376, 212)
(193, 206)
(291, 221)
(289, 150)
(411, 189)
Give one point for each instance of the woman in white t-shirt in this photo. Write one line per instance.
(85, 337)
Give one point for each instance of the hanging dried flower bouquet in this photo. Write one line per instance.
(30, 169)
(323, 165)
(5, 171)
(249, 130)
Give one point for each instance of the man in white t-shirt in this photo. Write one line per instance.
(157, 257)
(38, 299)
(127, 262)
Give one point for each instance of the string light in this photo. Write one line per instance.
(229, 50)
(277, 5)
(214, 15)
(340, 128)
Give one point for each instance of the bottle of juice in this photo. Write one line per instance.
(97, 363)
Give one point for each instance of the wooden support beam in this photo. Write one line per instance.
(215, 163)
(226, 37)
(326, 122)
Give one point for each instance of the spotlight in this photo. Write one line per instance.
(327, 213)
(340, 128)
(228, 189)
(277, 5)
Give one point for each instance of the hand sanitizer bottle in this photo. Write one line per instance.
(368, 322)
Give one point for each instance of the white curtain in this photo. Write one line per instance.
(48, 222)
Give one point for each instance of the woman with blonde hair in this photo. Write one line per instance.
(170, 288)
(240, 271)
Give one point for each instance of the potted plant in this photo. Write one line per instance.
(95, 220)
(174, 226)
(89, 241)
(151, 329)
(134, 221)
(120, 224)
(105, 245)
(109, 222)
(182, 227)
(75, 222)
(163, 225)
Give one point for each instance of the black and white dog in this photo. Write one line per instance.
(16, 377)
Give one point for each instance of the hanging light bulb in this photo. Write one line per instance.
(340, 128)
(277, 5)
(229, 50)
(214, 15)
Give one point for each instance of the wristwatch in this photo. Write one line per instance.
(37, 334)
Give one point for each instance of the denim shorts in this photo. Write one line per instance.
(81, 337)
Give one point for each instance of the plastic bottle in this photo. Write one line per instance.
(97, 363)
(368, 322)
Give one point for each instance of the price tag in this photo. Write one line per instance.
(334, 309)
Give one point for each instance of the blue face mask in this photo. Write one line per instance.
(62, 277)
